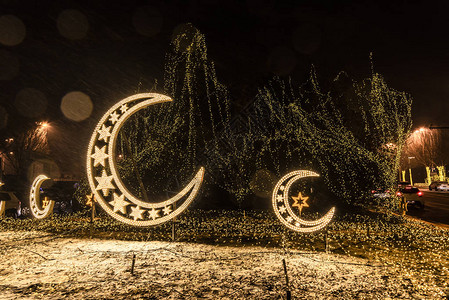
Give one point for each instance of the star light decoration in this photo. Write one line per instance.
(104, 180)
(300, 202)
(283, 209)
(90, 200)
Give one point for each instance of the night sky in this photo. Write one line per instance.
(106, 49)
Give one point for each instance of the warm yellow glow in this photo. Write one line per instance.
(38, 209)
(441, 173)
(283, 209)
(2, 208)
(105, 182)
(420, 130)
(90, 200)
(2, 204)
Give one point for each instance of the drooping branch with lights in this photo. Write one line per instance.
(353, 133)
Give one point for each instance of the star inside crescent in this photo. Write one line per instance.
(104, 133)
(89, 201)
(99, 156)
(280, 198)
(154, 213)
(300, 202)
(105, 183)
(114, 117)
(119, 203)
(124, 108)
(137, 213)
(167, 210)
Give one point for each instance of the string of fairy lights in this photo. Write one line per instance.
(342, 134)
(303, 125)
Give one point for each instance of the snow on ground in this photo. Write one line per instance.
(35, 265)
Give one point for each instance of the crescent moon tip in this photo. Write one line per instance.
(201, 172)
(163, 98)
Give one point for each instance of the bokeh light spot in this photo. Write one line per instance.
(12, 30)
(147, 21)
(76, 106)
(282, 61)
(9, 65)
(30, 102)
(72, 24)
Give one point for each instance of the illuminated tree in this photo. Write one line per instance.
(168, 144)
(20, 147)
(25, 144)
(429, 149)
(353, 134)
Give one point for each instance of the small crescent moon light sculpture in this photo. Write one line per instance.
(284, 211)
(2, 208)
(105, 182)
(37, 210)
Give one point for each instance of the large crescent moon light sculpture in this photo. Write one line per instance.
(284, 211)
(103, 177)
(37, 210)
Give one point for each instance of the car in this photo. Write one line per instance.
(412, 195)
(443, 187)
(380, 193)
(403, 184)
(62, 192)
(10, 205)
(436, 185)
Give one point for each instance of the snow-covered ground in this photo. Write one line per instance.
(35, 265)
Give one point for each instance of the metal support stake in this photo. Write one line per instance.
(173, 230)
(289, 294)
(132, 264)
(326, 242)
(173, 226)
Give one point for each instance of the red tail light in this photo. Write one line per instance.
(399, 194)
(373, 191)
(420, 193)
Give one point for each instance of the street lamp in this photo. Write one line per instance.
(40, 136)
(410, 169)
(43, 125)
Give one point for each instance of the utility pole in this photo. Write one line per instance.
(441, 173)
(410, 169)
